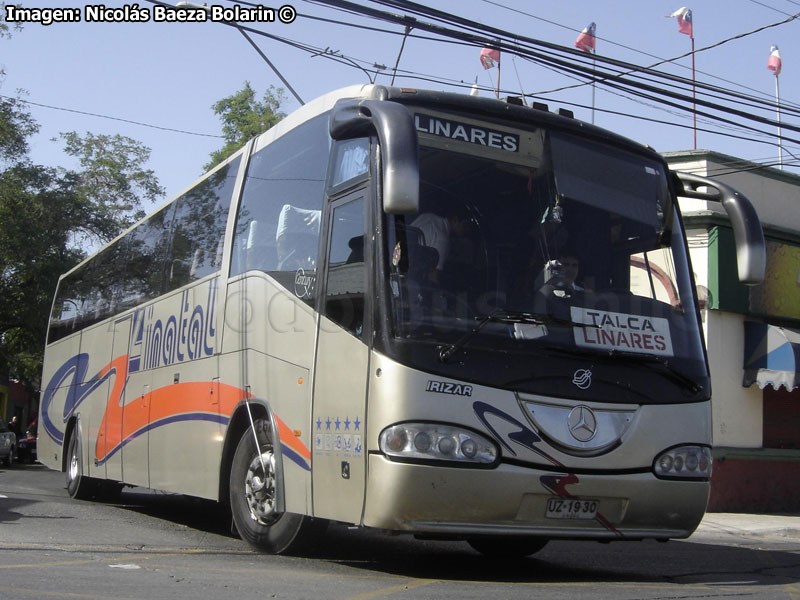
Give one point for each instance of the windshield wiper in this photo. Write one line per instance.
(654, 359)
(503, 315)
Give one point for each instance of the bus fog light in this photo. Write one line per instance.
(665, 462)
(395, 439)
(447, 446)
(684, 462)
(692, 462)
(703, 463)
(436, 441)
(422, 442)
(469, 448)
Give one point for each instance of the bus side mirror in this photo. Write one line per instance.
(751, 252)
(394, 125)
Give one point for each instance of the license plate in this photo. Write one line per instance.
(571, 508)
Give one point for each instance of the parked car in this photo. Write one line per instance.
(26, 445)
(8, 444)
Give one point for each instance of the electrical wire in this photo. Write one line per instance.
(91, 114)
(578, 69)
(580, 55)
(577, 72)
(730, 125)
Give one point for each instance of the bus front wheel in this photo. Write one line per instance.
(254, 497)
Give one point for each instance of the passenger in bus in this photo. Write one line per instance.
(438, 233)
(356, 245)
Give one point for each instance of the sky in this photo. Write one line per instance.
(168, 75)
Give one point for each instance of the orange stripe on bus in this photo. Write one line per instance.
(120, 423)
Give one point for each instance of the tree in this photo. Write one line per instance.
(244, 117)
(113, 181)
(46, 214)
(16, 126)
(36, 206)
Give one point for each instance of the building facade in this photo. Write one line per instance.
(752, 335)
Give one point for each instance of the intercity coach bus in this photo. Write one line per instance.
(420, 312)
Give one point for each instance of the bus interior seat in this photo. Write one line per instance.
(260, 249)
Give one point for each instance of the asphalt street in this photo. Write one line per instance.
(151, 545)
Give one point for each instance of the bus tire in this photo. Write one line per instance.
(507, 546)
(79, 485)
(253, 500)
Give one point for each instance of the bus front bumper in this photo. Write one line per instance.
(514, 500)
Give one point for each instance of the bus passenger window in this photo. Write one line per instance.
(277, 226)
(347, 275)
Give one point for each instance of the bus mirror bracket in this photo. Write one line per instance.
(394, 125)
(751, 253)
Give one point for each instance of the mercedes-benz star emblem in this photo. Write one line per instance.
(582, 423)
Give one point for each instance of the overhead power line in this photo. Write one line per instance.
(560, 57)
(626, 67)
(91, 114)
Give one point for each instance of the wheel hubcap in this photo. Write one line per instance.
(73, 467)
(260, 489)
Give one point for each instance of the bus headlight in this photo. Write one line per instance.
(684, 462)
(434, 441)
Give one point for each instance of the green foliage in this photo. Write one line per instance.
(16, 126)
(244, 117)
(113, 180)
(47, 214)
(36, 207)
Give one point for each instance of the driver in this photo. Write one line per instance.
(570, 266)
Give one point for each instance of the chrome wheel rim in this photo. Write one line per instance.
(73, 466)
(260, 489)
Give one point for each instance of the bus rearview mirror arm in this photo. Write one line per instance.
(751, 253)
(394, 126)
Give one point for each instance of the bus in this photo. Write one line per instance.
(413, 311)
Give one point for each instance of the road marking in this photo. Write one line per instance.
(411, 585)
(793, 590)
(43, 594)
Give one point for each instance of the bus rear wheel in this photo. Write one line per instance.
(254, 493)
(79, 486)
(507, 547)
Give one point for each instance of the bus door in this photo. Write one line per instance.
(341, 366)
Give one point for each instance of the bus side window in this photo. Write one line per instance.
(347, 274)
(200, 218)
(277, 226)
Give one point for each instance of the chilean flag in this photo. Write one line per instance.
(684, 16)
(490, 57)
(586, 40)
(774, 62)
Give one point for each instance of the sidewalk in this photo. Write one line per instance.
(750, 525)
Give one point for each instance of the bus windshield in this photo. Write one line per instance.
(546, 247)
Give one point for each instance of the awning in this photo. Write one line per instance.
(771, 356)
